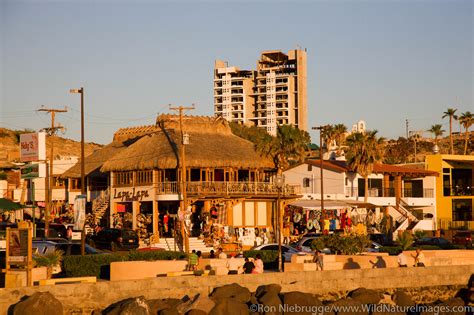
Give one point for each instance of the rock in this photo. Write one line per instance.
(228, 307)
(169, 311)
(308, 303)
(39, 303)
(365, 296)
(269, 288)
(402, 299)
(162, 304)
(131, 306)
(348, 306)
(271, 302)
(196, 312)
(385, 309)
(451, 304)
(199, 303)
(231, 291)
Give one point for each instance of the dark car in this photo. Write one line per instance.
(115, 239)
(381, 239)
(55, 230)
(435, 241)
(463, 238)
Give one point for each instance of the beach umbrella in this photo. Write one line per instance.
(6, 205)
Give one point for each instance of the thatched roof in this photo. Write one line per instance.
(95, 161)
(211, 144)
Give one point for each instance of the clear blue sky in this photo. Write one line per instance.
(381, 61)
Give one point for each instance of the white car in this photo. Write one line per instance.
(287, 250)
(304, 245)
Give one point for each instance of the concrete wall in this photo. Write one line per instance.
(102, 294)
(130, 270)
(333, 181)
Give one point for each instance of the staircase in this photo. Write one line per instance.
(100, 205)
(404, 218)
(194, 243)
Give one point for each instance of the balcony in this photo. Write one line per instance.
(227, 189)
(457, 190)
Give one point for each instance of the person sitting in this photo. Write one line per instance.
(234, 265)
(258, 264)
(212, 254)
(401, 259)
(222, 255)
(192, 261)
(248, 266)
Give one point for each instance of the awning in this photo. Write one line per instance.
(6, 204)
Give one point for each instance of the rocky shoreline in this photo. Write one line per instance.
(268, 299)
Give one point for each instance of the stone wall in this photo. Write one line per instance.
(104, 293)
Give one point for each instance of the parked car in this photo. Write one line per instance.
(55, 230)
(115, 239)
(463, 238)
(304, 245)
(435, 241)
(373, 247)
(286, 250)
(381, 239)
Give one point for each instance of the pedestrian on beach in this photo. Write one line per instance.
(402, 259)
(222, 255)
(419, 258)
(212, 254)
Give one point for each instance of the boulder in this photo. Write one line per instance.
(39, 303)
(271, 302)
(131, 306)
(268, 288)
(402, 299)
(386, 309)
(196, 312)
(231, 291)
(198, 303)
(158, 305)
(348, 306)
(229, 306)
(451, 304)
(365, 296)
(308, 303)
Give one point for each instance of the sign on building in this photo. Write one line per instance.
(33, 147)
(33, 170)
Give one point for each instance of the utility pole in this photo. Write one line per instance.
(51, 132)
(321, 129)
(183, 201)
(406, 127)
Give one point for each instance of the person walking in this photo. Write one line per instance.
(401, 259)
(419, 258)
(318, 259)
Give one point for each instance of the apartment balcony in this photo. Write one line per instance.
(227, 189)
(458, 190)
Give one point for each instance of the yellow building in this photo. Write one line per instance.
(454, 192)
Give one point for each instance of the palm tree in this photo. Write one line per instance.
(466, 119)
(329, 134)
(437, 131)
(340, 133)
(364, 150)
(290, 144)
(450, 112)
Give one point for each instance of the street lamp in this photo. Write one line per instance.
(83, 184)
(279, 183)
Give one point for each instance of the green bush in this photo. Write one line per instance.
(348, 244)
(405, 240)
(419, 234)
(97, 265)
(156, 255)
(268, 256)
(391, 250)
(3, 175)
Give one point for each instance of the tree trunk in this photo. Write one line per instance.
(49, 272)
(451, 133)
(366, 190)
(466, 138)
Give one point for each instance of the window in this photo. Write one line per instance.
(144, 177)
(75, 183)
(57, 182)
(123, 178)
(306, 182)
(462, 209)
(310, 167)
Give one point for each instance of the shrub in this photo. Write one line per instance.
(348, 244)
(49, 260)
(3, 175)
(156, 255)
(391, 250)
(405, 240)
(419, 234)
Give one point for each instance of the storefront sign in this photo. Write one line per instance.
(133, 194)
(30, 171)
(18, 246)
(79, 212)
(33, 146)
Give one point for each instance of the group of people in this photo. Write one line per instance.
(234, 265)
(419, 259)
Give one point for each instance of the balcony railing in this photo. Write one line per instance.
(458, 191)
(227, 188)
(390, 192)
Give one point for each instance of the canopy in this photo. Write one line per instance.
(315, 204)
(6, 204)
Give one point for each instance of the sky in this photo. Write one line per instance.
(379, 61)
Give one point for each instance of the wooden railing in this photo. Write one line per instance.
(227, 188)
